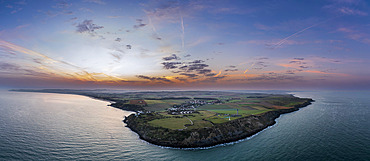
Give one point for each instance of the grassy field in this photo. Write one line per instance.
(211, 107)
(180, 122)
(240, 112)
(201, 119)
(171, 123)
(209, 114)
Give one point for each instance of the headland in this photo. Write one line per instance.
(192, 119)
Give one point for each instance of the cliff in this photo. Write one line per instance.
(204, 137)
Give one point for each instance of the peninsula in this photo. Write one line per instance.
(191, 119)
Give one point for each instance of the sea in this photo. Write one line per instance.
(44, 126)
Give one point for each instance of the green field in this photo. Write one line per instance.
(240, 112)
(170, 123)
(209, 114)
(176, 122)
(211, 107)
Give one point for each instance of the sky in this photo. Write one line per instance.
(185, 44)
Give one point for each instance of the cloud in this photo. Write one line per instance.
(290, 72)
(303, 67)
(298, 58)
(62, 4)
(189, 75)
(196, 66)
(7, 66)
(170, 65)
(16, 10)
(199, 41)
(87, 26)
(321, 72)
(73, 19)
(85, 9)
(57, 68)
(140, 24)
(154, 78)
(204, 71)
(172, 57)
(156, 37)
(231, 70)
(259, 65)
(272, 76)
(187, 55)
(95, 1)
(347, 1)
(197, 61)
(117, 56)
(210, 75)
(213, 79)
(295, 62)
(262, 27)
(347, 7)
(349, 11)
(355, 35)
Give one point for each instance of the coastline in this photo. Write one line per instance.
(224, 133)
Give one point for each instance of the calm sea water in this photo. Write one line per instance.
(39, 126)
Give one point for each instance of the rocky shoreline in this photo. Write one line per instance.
(205, 137)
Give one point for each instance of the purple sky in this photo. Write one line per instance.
(185, 44)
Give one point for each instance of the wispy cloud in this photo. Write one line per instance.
(327, 73)
(355, 34)
(350, 11)
(57, 68)
(95, 1)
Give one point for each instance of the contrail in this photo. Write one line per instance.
(83, 74)
(281, 42)
(249, 68)
(152, 25)
(183, 31)
(24, 50)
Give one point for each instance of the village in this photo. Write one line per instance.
(190, 107)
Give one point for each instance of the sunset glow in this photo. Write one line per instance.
(185, 44)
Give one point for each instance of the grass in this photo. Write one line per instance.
(209, 107)
(235, 101)
(240, 112)
(200, 124)
(253, 106)
(170, 123)
(210, 114)
(179, 121)
(220, 119)
(150, 102)
(172, 102)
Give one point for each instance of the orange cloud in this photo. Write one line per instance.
(321, 72)
(219, 73)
